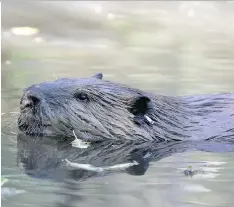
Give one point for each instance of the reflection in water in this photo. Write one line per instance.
(44, 158)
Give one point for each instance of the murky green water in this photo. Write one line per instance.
(170, 48)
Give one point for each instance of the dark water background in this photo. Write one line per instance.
(171, 48)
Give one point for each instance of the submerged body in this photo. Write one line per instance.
(96, 110)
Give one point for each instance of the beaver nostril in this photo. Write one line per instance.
(23, 127)
(29, 102)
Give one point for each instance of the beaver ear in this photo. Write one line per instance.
(140, 105)
(98, 76)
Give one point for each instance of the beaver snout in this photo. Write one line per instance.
(31, 98)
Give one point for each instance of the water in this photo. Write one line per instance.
(167, 48)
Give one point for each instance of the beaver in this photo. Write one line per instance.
(94, 110)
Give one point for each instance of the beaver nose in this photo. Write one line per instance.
(29, 101)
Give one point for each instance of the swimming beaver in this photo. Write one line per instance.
(94, 110)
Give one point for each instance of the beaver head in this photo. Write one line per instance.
(95, 110)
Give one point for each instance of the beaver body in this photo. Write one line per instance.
(95, 110)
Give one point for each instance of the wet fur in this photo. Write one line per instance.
(116, 112)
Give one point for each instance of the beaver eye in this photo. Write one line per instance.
(81, 97)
